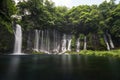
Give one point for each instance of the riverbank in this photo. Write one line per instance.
(113, 53)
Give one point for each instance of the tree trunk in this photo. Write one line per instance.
(85, 43)
(106, 42)
(110, 40)
(78, 45)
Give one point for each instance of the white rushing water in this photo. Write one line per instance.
(49, 41)
(69, 39)
(18, 40)
(78, 44)
(36, 44)
(106, 42)
(63, 48)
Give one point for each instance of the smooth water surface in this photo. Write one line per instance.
(58, 67)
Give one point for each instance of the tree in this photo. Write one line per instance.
(115, 24)
(105, 9)
(41, 13)
(7, 9)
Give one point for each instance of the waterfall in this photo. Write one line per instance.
(36, 42)
(69, 39)
(110, 40)
(106, 42)
(44, 41)
(55, 42)
(41, 46)
(58, 43)
(18, 40)
(63, 47)
(78, 44)
(85, 43)
(50, 41)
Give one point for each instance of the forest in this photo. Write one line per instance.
(91, 27)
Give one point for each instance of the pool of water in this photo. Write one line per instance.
(58, 67)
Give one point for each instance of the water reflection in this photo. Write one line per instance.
(78, 59)
(59, 67)
(86, 60)
(114, 67)
(13, 68)
(67, 66)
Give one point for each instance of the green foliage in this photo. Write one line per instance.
(43, 14)
(40, 14)
(115, 25)
(7, 9)
(83, 19)
(102, 42)
(35, 52)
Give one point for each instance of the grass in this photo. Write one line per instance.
(113, 53)
(35, 52)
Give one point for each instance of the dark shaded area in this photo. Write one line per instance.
(58, 67)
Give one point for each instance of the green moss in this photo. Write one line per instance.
(35, 52)
(113, 53)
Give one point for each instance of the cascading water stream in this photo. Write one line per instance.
(78, 44)
(18, 40)
(36, 44)
(63, 48)
(51, 41)
(69, 39)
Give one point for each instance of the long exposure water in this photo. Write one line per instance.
(18, 40)
(58, 67)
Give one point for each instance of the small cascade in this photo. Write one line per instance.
(63, 47)
(78, 44)
(36, 43)
(18, 40)
(56, 45)
(69, 39)
(42, 46)
(106, 42)
(85, 43)
(54, 41)
(110, 40)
